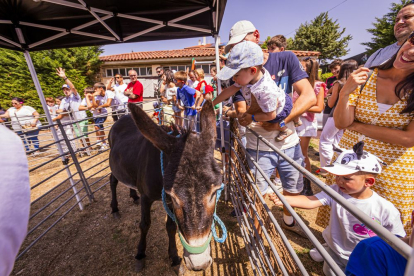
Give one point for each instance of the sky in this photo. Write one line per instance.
(273, 17)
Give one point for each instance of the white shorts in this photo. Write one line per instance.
(307, 129)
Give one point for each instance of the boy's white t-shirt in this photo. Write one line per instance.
(101, 100)
(345, 231)
(114, 103)
(22, 117)
(268, 95)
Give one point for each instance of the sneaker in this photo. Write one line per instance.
(295, 228)
(315, 255)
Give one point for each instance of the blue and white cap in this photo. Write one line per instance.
(65, 86)
(355, 160)
(244, 55)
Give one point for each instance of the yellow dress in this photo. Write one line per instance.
(396, 182)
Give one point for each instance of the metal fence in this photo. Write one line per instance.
(66, 172)
(268, 248)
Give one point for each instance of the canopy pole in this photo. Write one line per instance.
(223, 148)
(50, 121)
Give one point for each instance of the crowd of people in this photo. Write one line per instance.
(366, 147)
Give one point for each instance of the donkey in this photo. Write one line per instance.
(191, 179)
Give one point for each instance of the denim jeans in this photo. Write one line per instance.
(30, 137)
(292, 180)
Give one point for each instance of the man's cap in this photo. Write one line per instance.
(238, 32)
(244, 55)
(65, 86)
(355, 160)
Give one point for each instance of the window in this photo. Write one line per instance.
(116, 71)
(137, 70)
(173, 68)
(122, 71)
(143, 71)
(181, 68)
(206, 69)
(109, 72)
(149, 71)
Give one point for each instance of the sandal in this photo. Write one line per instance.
(298, 123)
(283, 135)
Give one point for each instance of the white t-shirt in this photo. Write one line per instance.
(100, 100)
(119, 93)
(192, 84)
(69, 104)
(345, 231)
(268, 95)
(22, 117)
(114, 102)
(170, 92)
(289, 142)
(14, 198)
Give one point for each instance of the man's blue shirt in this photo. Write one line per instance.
(186, 95)
(285, 69)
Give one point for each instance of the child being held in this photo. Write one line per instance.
(244, 64)
(355, 172)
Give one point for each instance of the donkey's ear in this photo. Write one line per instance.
(151, 131)
(208, 122)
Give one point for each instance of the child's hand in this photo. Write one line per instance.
(245, 119)
(273, 197)
(181, 107)
(199, 108)
(193, 107)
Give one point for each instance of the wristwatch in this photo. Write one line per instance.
(253, 119)
(282, 123)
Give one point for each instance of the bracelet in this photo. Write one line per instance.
(65, 78)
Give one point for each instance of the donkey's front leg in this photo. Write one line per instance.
(144, 226)
(176, 261)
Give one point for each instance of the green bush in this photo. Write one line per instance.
(325, 76)
(81, 65)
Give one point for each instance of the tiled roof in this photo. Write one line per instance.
(182, 53)
(197, 52)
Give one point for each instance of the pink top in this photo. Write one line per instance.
(318, 85)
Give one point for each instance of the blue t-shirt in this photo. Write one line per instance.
(186, 95)
(374, 256)
(285, 69)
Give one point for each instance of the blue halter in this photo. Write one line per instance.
(202, 248)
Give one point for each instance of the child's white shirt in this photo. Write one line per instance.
(345, 231)
(268, 95)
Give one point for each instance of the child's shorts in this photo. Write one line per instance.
(99, 122)
(285, 112)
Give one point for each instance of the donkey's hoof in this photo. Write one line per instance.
(179, 269)
(136, 201)
(139, 265)
(116, 215)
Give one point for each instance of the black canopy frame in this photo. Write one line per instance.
(33, 25)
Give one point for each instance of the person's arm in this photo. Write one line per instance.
(109, 84)
(261, 116)
(199, 100)
(225, 94)
(107, 104)
(334, 96)
(403, 138)
(300, 201)
(344, 111)
(94, 103)
(306, 99)
(5, 115)
(320, 102)
(61, 73)
(36, 118)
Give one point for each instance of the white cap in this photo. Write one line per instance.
(355, 160)
(238, 32)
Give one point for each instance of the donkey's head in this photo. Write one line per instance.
(191, 178)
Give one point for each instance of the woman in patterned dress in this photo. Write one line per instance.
(382, 115)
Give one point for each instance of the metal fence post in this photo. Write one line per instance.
(75, 160)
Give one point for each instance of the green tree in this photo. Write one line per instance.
(264, 45)
(383, 31)
(324, 35)
(81, 65)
